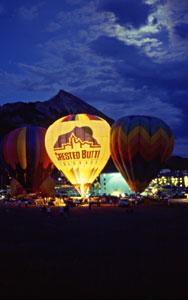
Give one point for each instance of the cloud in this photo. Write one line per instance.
(149, 37)
(9, 79)
(156, 38)
(70, 57)
(129, 12)
(85, 18)
(30, 13)
(53, 26)
(144, 37)
(151, 2)
(140, 102)
(69, 68)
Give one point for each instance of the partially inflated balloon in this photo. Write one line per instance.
(25, 157)
(139, 147)
(79, 146)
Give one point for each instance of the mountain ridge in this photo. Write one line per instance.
(44, 113)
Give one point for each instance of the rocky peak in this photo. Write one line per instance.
(14, 115)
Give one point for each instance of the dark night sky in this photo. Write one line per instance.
(121, 56)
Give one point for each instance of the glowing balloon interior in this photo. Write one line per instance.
(139, 147)
(79, 146)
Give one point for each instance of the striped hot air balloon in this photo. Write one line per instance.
(139, 146)
(25, 157)
(79, 146)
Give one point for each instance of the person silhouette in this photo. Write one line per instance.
(67, 209)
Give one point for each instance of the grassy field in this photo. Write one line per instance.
(103, 252)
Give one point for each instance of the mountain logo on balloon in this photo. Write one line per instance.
(79, 135)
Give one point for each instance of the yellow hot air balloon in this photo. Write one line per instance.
(79, 146)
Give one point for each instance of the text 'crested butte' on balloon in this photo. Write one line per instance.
(26, 159)
(79, 146)
(139, 146)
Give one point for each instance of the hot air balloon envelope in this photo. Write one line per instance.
(25, 157)
(139, 147)
(79, 146)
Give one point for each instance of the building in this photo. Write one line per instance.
(113, 184)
